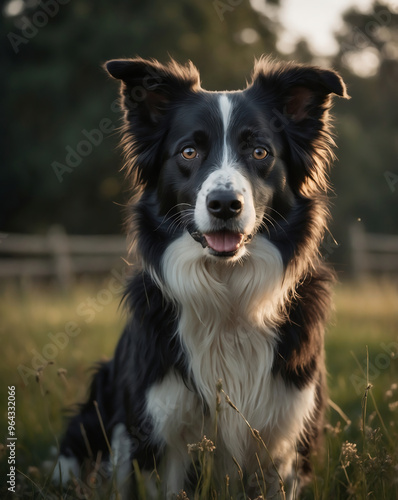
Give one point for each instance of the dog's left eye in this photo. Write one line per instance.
(189, 153)
(260, 153)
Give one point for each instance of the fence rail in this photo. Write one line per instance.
(58, 254)
(63, 256)
(373, 253)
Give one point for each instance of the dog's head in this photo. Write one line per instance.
(226, 166)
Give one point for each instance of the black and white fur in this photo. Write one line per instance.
(229, 212)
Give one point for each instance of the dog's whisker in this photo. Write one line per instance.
(166, 217)
(271, 220)
(265, 226)
(180, 221)
(277, 213)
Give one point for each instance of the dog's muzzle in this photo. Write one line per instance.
(223, 232)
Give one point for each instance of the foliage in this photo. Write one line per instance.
(56, 88)
(56, 94)
(366, 176)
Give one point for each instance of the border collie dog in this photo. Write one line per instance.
(230, 295)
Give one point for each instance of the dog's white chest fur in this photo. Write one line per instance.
(227, 314)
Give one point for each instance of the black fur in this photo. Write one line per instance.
(285, 108)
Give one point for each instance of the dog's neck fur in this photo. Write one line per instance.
(227, 315)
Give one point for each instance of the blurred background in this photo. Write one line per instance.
(62, 201)
(55, 169)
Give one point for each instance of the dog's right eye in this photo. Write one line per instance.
(189, 153)
(260, 153)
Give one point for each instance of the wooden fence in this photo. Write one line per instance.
(59, 255)
(373, 253)
(63, 256)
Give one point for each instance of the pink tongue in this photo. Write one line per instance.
(224, 241)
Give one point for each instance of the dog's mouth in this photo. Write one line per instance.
(222, 243)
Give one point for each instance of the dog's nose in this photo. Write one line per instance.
(224, 204)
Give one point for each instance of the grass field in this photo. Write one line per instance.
(49, 341)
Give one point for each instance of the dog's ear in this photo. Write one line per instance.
(302, 91)
(149, 87)
(307, 92)
(149, 90)
(297, 99)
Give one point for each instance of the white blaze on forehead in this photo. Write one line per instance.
(227, 175)
(226, 109)
(226, 112)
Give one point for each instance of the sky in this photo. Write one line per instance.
(316, 21)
